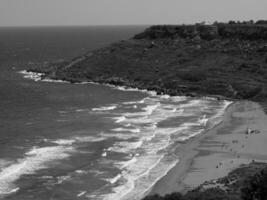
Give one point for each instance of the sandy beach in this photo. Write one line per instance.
(240, 139)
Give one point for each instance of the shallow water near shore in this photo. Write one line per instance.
(88, 141)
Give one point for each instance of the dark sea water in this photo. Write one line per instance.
(85, 141)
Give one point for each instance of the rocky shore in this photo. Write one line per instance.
(221, 60)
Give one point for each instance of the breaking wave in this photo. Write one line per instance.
(147, 137)
(143, 136)
(105, 108)
(35, 159)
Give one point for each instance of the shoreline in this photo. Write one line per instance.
(37, 77)
(188, 151)
(203, 158)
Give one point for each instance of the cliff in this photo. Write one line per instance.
(224, 60)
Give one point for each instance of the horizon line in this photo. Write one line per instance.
(62, 25)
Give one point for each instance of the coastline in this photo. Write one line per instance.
(194, 154)
(188, 156)
(36, 76)
(243, 66)
(218, 151)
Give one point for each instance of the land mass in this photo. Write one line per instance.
(227, 60)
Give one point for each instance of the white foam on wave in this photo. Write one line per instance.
(77, 139)
(81, 193)
(189, 135)
(139, 176)
(104, 154)
(115, 179)
(138, 117)
(125, 146)
(152, 144)
(137, 170)
(32, 75)
(161, 139)
(89, 139)
(178, 98)
(64, 141)
(53, 80)
(136, 130)
(165, 96)
(119, 119)
(217, 118)
(134, 102)
(39, 77)
(35, 159)
(146, 181)
(82, 110)
(130, 89)
(204, 120)
(105, 108)
(192, 103)
(150, 108)
(61, 179)
(128, 163)
(79, 171)
(119, 135)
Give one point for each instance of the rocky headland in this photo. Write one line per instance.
(227, 60)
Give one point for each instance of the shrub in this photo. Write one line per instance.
(153, 197)
(209, 194)
(262, 22)
(256, 188)
(173, 196)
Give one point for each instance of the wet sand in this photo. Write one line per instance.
(239, 139)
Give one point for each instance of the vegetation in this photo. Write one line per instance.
(249, 182)
(256, 188)
(224, 60)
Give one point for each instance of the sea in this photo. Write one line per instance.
(85, 141)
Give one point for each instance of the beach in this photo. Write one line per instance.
(239, 139)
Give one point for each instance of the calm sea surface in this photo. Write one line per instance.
(85, 141)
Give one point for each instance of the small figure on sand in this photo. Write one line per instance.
(249, 131)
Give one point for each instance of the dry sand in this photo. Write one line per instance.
(218, 151)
